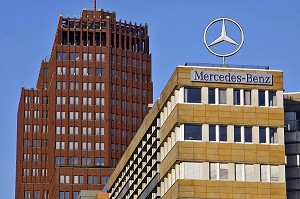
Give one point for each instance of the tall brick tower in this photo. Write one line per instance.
(90, 99)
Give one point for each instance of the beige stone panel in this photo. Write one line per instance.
(186, 194)
(213, 195)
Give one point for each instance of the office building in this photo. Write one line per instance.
(215, 132)
(90, 98)
(292, 143)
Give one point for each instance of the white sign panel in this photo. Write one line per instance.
(231, 77)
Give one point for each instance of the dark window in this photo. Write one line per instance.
(236, 97)
(211, 96)
(192, 95)
(223, 133)
(212, 133)
(192, 132)
(248, 134)
(261, 98)
(262, 135)
(237, 134)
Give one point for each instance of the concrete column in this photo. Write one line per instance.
(230, 133)
(256, 173)
(204, 95)
(255, 135)
(229, 96)
(205, 135)
(279, 99)
(231, 171)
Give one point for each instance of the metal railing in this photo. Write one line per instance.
(227, 65)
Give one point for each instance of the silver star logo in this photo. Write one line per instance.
(224, 38)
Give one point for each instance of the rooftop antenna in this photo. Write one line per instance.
(95, 5)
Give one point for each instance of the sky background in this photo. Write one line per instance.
(27, 29)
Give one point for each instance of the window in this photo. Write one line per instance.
(74, 56)
(103, 179)
(99, 131)
(212, 133)
(192, 132)
(261, 98)
(60, 85)
(87, 71)
(99, 101)
(73, 115)
(248, 134)
(264, 173)
(192, 170)
(236, 97)
(86, 130)
(192, 95)
(87, 56)
(100, 57)
(274, 174)
(27, 100)
(86, 101)
(59, 160)
(35, 143)
(213, 171)
(211, 96)
(64, 179)
(25, 172)
(63, 195)
(73, 100)
(26, 114)
(36, 100)
(26, 194)
(272, 98)
(86, 116)
(74, 71)
(60, 100)
(60, 70)
(73, 130)
(243, 172)
(223, 133)
(223, 171)
(262, 135)
(237, 134)
(222, 96)
(73, 85)
(99, 86)
(86, 86)
(99, 116)
(59, 145)
(273, 136)
(37, 194)
(60, 115)
(247, 97)
(61, 56)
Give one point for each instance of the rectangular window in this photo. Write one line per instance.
(211, 96)
(74, 71)
(274, 174)
(272, 98)
(192, 170)
(223, 171)
(273, 136)
(262, 135)
(264, 173)
(247, 97)
(236, 97)
(248, 134)
(222, 96)
(213, 171)
(248, 172)
(223, 133)
(261, 98)
(237, 134)
(192, 132)
(212, 133)
(192, 95)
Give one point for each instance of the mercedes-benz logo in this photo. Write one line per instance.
(224, 38)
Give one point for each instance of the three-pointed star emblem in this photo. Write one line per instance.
(223, 37)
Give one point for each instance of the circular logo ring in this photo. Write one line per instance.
(223, 37)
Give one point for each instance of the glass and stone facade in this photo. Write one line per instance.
(214, 138)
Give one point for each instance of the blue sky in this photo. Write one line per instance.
(176, 29)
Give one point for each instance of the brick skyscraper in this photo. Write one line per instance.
(90, 98)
